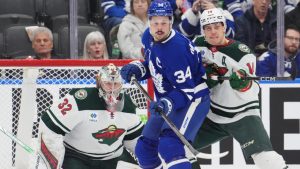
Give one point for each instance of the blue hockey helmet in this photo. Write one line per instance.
(160, 8)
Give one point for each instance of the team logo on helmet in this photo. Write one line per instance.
(108, 135)
(160, 8)
(81, 94)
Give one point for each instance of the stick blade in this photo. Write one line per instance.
(211, 156)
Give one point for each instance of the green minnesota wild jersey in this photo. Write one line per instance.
(229, 105)
(90, 129)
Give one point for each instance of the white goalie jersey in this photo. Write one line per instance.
(88, 128)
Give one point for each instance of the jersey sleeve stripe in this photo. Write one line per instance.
(57, 122)
(134, 132)
(51, 125)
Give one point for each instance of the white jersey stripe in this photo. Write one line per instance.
(184, 160)
(188, 116)
(198, 88)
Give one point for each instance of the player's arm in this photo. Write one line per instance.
(246, 66)
(134, 131)
(63, 116)
(57, 121)
(137, 68)
(181, 72)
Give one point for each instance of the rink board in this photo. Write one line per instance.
(281, 117)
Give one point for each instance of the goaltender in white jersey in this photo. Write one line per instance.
(96, 124)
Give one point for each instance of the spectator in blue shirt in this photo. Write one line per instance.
(114, 12)
(190, 25)
(267, 62)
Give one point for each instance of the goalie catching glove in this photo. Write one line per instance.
(238, 83)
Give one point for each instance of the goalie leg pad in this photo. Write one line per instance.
(172, 151)
(269, 159)
(146, 151)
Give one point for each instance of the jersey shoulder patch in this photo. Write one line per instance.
(236, 50)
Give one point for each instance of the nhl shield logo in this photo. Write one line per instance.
(108, 135)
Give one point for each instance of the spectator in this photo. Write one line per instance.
(190, 25)
(256, 28)
(114, 12)
(267, 62)
(95, 46)
(42, 43)
(132, 29)
(238, 7)
(290, 18)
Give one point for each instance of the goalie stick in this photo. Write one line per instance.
(195, 152)
(24, 146)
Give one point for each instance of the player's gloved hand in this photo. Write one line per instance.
(212, 72)
(164, 104)
(133, 68)
(155, 122)
(238, 83)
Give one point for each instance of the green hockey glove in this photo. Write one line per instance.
(213, 70)
(238, 83)
(210, 71)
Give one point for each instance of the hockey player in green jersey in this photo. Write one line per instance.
(97, 124)
(235, 109)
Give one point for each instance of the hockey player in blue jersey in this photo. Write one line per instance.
(180, 90)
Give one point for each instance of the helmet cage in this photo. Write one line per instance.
(109, 83)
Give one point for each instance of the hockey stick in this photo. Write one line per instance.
(24, 146)
(236, 66)
(195, 152)
(264, 78)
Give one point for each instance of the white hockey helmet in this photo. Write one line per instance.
(210, 16)
(109, 83)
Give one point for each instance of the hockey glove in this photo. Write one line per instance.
(135, 68)
(155, 122)
(212, 70)
(164, 104)
(238, 83)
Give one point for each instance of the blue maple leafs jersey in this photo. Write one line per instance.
(175, 67)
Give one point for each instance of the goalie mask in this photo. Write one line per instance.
(109, 83)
